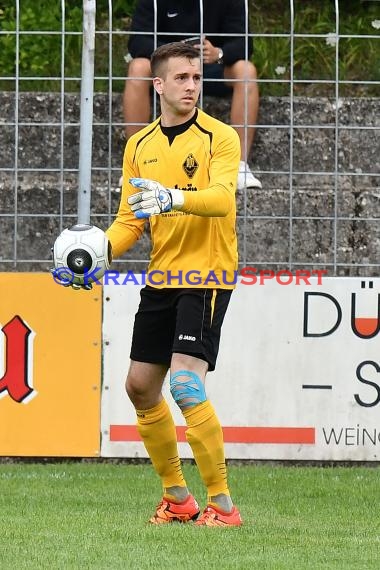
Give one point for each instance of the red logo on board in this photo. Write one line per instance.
(17, 377)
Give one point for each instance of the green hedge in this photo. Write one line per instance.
(314, 58)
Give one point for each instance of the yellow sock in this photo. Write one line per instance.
(205, 437)
(157, 430)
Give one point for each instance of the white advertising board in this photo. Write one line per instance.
(297, 377)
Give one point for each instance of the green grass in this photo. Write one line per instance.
(93, 516)
(314, 58)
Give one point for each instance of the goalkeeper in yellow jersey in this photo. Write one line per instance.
(180, 172)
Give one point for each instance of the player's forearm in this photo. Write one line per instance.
(122, 237)
(215, 202)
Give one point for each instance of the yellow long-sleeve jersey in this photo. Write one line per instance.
(197, 244)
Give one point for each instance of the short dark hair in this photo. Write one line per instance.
(173, 49)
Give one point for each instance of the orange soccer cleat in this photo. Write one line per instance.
(212, 516)
(168, 512)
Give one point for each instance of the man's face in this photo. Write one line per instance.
(180, 86)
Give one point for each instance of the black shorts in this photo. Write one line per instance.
(215, 88)
(187, 321)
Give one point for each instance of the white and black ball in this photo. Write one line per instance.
(84, 251)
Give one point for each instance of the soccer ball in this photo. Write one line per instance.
(81, 255)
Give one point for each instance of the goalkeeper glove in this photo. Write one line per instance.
(63, 276)
(153, 198)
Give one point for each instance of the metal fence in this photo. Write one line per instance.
(318, 159)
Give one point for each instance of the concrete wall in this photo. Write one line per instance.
(312, 219)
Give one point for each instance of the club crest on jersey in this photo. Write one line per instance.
(190, 165)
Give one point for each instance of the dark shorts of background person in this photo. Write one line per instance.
(215, 88)
(187, 321)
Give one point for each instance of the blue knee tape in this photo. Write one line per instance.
(188, 393)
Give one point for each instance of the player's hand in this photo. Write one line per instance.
(151, 200)
(64, 277)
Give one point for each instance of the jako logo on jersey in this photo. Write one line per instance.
(150, 160)
(187, 337)
(16, 381)
(190, 165)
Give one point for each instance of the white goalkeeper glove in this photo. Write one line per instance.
(153, 198)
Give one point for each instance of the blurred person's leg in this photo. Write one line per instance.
(244, 111)
(136, 98)
(245, 102)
